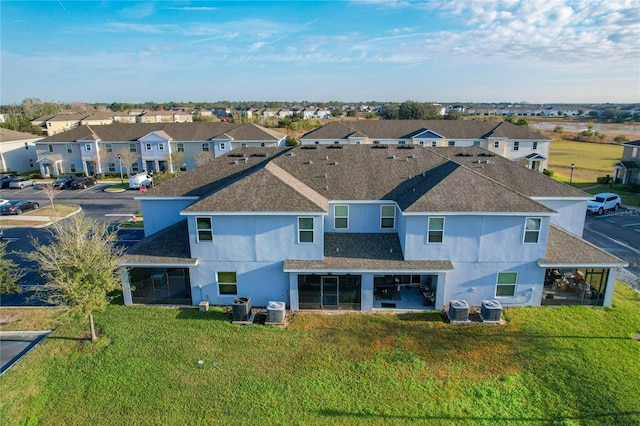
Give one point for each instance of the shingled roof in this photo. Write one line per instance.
(304, 179)
(168, 246)
(566, 249)
(405, 129)
(200, 131)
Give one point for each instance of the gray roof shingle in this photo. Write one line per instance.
(565, 248)
(168, 246)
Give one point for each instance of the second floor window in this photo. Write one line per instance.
(205, 147)
(108, 147)
(532, 230)
(205, 231)
(305, 229)
(222, 146)
(535, 145)
(132, 147)
(496, 144)
(50, 148)
(434, 144)
(87, 147)
(451, 143)
(435, 234)
(148, 147)
(387, 217)
(341, 217)
(69, 149)
(180, 147)
(516, 146)
(161, 146)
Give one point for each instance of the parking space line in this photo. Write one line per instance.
(611, 221)
(632, 224)
(615, 241)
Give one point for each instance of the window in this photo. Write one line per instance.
(376, 142)
(161, 146)
(434, 144)
(68, 147)
(305, 230)
(88, 147)
(111, 167)
(516, 146)
(476, 143)
(50, 148)
(31, 162)
(506, 286)
(183, 167)
(436, 230)
(401, 142)
(532, 229)
(496, 144)
(132, 147)
(535, 145)
(243, 144)
(108, 147)
(180, 147)
(421, 143)
(148, 147)
(262, 144)
(227, 283)
(387, 217)
(205, 147)
(26, 146)
(222, 146)
(340, 217)
(451, 143)
(72, 168)
(205, 232)
(135, 168)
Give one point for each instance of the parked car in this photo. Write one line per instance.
(82, 182)
(2, 201)
(18, 206)
(604, 202)
(21, 182)
(139, 180)
(64, 181)
(5, 180)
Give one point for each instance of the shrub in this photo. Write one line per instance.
(559, 129)
(621, 139)
(604, 180)
(548, 172)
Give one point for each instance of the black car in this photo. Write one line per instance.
(83, 182)
(18, 206)
(64, 181)
(5, 179)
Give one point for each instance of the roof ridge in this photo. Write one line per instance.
(297, 185)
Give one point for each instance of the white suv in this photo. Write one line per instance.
(603, 202)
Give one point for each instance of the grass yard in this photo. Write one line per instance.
(545, 366)
(591, 160)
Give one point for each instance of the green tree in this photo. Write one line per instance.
(79, 265)
(522, 122)
(609, 113)
(390, 112)
(291, 141)
(10, 272)
(452, 115)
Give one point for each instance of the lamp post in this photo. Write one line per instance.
(573, 166)
(120, 162)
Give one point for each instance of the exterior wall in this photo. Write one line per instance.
(572, 213)
(363, 218)
(19, 156)
(158, 214)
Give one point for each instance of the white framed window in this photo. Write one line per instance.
(506, 284)
(243, 144)
(108, 147)
(50, 148)
(357, 142)
(434, 144)
(161, 147)
(496, 144)
(135, 168)
(376, 142)
(401, 142)
(72, 168)
(205, 147)
(532, 230)
(262, 144)
(387, 217)
(69, 149)
(222, 145)
(180, 147)
(87, 147)
(340, 217)
(227, 282)
(435, 232)
(205, 231)
(305, 230)
(421, 143)
(535, 145)
(476, 143)
(516, 146)
(147, 147)
(133, 147)
(111, 167)
(451, 143)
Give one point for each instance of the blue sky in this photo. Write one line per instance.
(536, 51)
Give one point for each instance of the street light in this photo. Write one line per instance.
(120, 161)
(573, 166)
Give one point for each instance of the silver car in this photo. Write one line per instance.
(21, 182)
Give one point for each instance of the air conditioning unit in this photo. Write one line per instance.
(241, 308)
(276, 312)
(458, 311)
(491, 311)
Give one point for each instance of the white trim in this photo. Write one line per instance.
(582, 265)
(138, 197)
(435, 230)
(160, 264)
(313, 230)
(515, 284)
(444, 213)
(539, 230)
(261, 213)
(365, 271)
(210, 229)
(382, 206)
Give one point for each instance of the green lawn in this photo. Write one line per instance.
(591, 160)
(558, 366)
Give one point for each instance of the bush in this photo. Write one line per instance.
(559, 129)
(548, 172)
(604, 180)
(621, 139)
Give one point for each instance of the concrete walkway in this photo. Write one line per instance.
(16, 344)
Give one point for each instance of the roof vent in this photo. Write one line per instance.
(308, 147)
(235, 155)
(392, 157)
(464, 154)
(405, 147)
(486, 154)
(333, 163)
(259, 154)
(308, 162)
(334, 146)
(379, 146)
(327, 158)
(246, 160)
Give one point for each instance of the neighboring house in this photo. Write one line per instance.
(132, 148)
(315, 113)
(362, 228)
(18, 151)
(626, 170)
(164, 116)
(52, 125)
(98, 119)
(516, 143)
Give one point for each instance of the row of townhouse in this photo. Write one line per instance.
(502, 138)
(363, 228)
(627, 170)
(132, 148)
(59, 123)
(17, 151)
